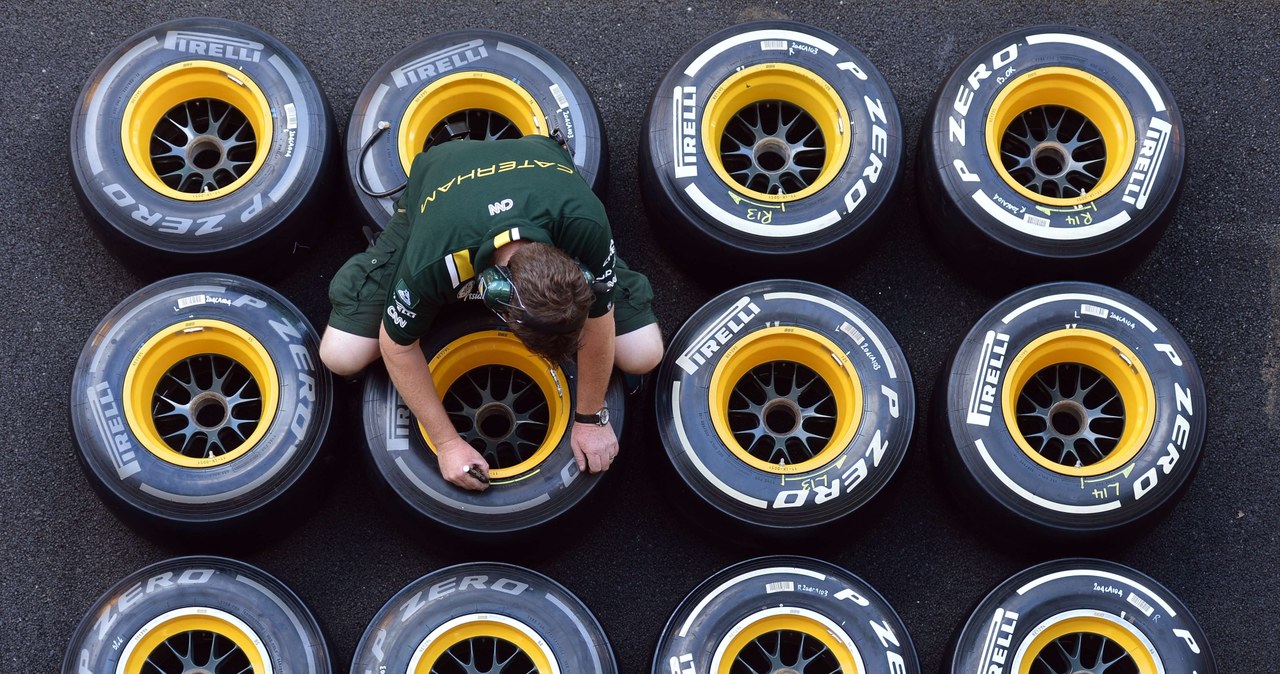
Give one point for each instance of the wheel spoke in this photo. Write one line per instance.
(216, 387)
(197, 652)
(1068, 143)
(772, 147)
(1071, 414)
(471, 124)
(484, 655)
(518, 414)
(785, 651)
(782, 413)
(202, 145)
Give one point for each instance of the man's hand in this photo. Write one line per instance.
(455, 457)
(594, 447)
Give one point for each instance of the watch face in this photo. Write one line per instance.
(604, 415)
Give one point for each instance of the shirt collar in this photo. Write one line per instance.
(499, 237)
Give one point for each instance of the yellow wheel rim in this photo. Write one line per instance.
(201, 393)
(1078, 402)
(196, 130)
(785, 400)
(488, 106)
(1074, 643)
(482, 640)
(776, 132)
(200, 635)
(508, 402)
(781, 642)
(1085, 158)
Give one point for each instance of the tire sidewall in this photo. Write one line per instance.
(570, 631)
(153, 490)
(866, 180)
(705, 617)
(1014, 608)
(291, 637)
(394, 86)
(1032, 494)
(405, 468)
(806, 499)
(129, 215)
(955, 172)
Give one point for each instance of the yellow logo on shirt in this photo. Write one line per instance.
(494, 169)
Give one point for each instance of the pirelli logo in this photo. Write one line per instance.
(205, 44)
(998, 641)
(1151, 151)
(986, 379)
(716, 337)
(112, 427)
(685, 131)
(439, 62)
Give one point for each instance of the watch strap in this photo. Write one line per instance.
(600, 418)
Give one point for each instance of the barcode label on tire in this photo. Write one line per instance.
(1035, 220)
(1090, 310)
(290, 116)
(1141, 605)
(184, 302)
(559, 96)
(773, 45)
(853, 333)
(780, 586)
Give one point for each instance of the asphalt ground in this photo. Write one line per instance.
(1215, 274)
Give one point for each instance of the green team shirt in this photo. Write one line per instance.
(466, 199)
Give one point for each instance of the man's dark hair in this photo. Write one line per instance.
(556, 299)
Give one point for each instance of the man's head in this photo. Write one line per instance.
(550, 300)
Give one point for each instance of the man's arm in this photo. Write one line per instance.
(412, 376)
(594, 447)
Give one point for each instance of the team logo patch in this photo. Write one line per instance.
(403, 295)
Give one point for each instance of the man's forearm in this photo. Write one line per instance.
(595, 363)
(412, 376)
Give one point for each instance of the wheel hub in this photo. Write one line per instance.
(207, 406)
(499, 411)
(1071, 414)
(781, 416)
(782, 413)
(209, 410)
(1054, 151)
(773, 147)
(202, 145)
(494, 421)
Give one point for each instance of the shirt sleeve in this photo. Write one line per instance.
(409, 308)
(591, 244)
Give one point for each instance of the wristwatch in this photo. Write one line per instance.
(600, 418)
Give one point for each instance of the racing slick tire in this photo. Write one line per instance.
(785, 614)
(207, 614)
(1080, 615)
(477, 84)
(1070, 411)
(770, 145)
(1051, 152)
(203, 144)
(512, 405)
(484, 617)
(784, 406)
(199, 406)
